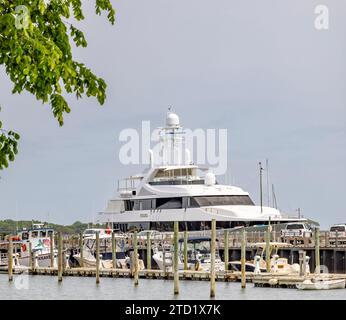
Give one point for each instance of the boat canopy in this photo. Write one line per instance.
(272, 244)
(197, 239)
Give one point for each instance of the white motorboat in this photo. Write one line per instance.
(277, 264)
(321, 284)
(173, 188)
(89, 251)
(198, 255)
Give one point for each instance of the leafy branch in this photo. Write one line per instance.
(36, 51)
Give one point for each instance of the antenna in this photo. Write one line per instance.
(267, 171)
(275, 204)
(261, 192)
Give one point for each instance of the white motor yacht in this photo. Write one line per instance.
(179, 190)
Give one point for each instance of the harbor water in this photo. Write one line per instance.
(47, 287)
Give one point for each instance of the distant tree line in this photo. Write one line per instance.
(11, 226)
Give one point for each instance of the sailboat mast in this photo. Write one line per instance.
(261, 188)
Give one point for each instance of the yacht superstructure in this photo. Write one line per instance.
(176, 189)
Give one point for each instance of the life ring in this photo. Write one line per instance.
(23, 247)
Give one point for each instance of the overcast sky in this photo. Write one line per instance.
(258, 68)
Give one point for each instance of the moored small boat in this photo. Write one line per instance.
(321, 284)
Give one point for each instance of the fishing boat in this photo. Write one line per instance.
(321, 284)
(38, 237)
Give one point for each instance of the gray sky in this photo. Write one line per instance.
(258, 68)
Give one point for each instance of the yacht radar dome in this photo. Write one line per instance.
(172, 120)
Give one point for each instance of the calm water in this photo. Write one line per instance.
(47, 287)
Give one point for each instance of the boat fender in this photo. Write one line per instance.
(23, 247)
(273, 282)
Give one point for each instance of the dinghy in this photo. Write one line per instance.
(321, 284)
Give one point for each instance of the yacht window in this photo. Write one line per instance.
(145, 204)
(50, 233)
(183, 172)
(169, 203)
(43, 234)
(221, 201)
(128, 205)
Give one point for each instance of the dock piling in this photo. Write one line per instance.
(10, 259)
(114, 251)
(317, 251)
(185, 250)
(31, 258)
(267, 251)
(81, 251)
(51, 243)
(176, 257)
(148, 251)
(226, 249)
(212, 258)
(97, 257)
(60, 257)
(135, 257)
(243, 259)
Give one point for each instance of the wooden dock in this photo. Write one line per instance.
(269, 280)
(125, 273)
(332, 259)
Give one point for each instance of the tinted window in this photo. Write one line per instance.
(128, 205)
(169, 203)
(221, 201)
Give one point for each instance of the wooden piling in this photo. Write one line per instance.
(97, 257)
(226, 249)
(176, 257)
(212, 258)
(31, 257)
(114, 251)
(10, 259)
(317, 251)
(51, 243)
(60, 257)
(185, 250)
(148, 251)
(81, 251)
(267, 251)
(304, 264)
(135, 258)
(243, 259)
